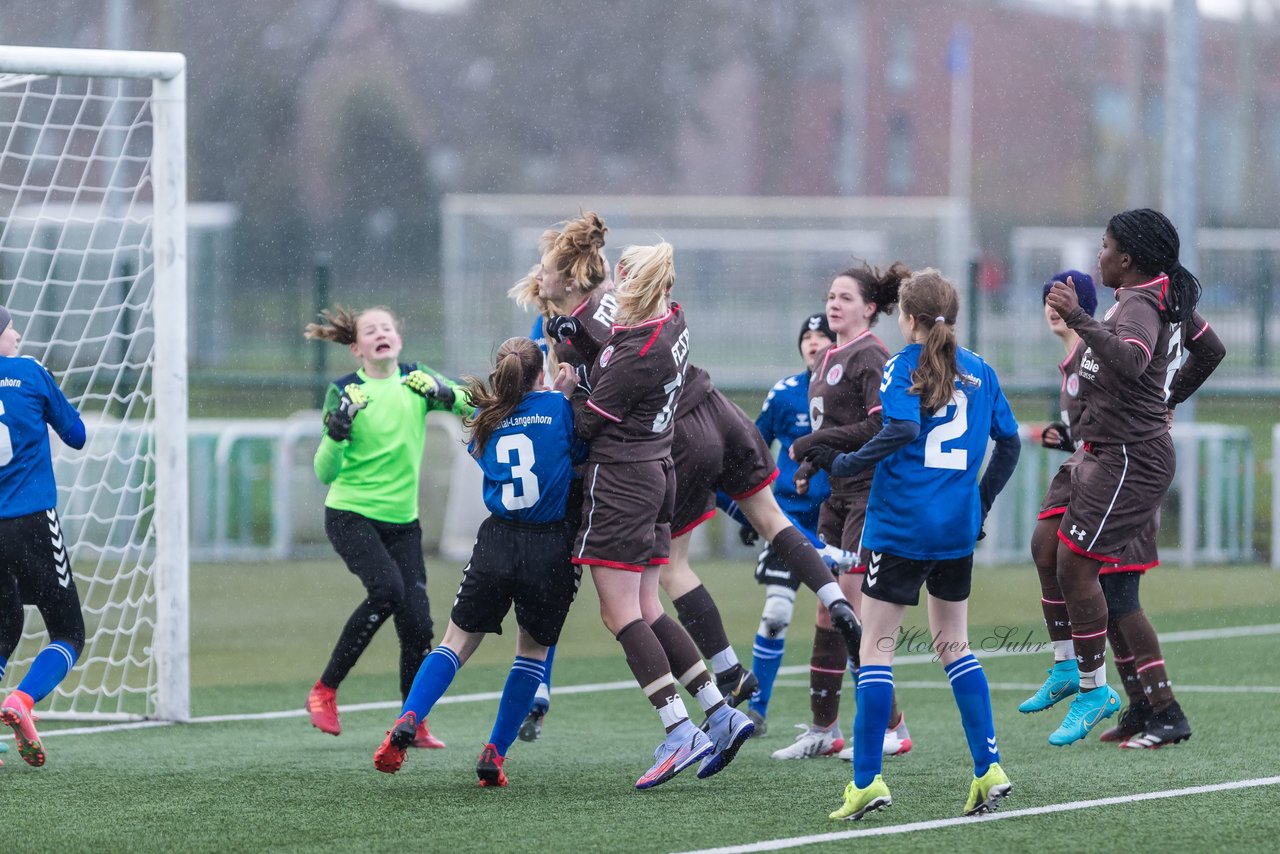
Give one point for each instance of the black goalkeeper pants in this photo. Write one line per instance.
(34, 570)
(387, 558)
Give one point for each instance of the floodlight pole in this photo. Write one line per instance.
(1181, 122)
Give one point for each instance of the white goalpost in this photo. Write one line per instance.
(93, 268)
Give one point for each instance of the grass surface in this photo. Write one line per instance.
(262, 634)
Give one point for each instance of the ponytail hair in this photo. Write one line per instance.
(932, 301)
(577, 250)
(645, 277)
(877, 287)
(1149, 238)
(514, 374)
(339, 324)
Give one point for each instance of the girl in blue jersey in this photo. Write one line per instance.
(523, 441)
(941, 403)
(34, 568)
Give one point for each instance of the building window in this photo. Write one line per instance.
(900, 69)
(900, 174)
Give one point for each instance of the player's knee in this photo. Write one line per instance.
(66, 628)
(1121, 592)
(776, 617)
(387, 597)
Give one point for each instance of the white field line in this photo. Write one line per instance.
(597, 687)
(1032, 686)
(893, 830)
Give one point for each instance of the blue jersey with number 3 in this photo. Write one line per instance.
(924, 502)
(528, 460)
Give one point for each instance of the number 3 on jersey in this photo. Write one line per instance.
(948, 431)
(521, 470)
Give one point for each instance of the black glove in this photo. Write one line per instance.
(584, 378)
(748, 535)
(338, 423)
(1064, 433)
(821, 456)
(562, 327)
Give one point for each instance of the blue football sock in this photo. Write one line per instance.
(969, 685)
(434, 676)
(875, 700)
(766, 658)
(517, 698)
(50, 667)
(4, 662)
(542, 701)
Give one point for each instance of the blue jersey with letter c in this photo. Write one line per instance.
(924, 502)
(528, 460)
(30, 400)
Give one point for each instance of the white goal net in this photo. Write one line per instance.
(93, 270)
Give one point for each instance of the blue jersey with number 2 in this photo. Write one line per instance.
(924, 502)
(528, 460)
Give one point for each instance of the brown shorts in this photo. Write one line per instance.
(626, 515)
(716, 446)
(1139, 556)
(1116, 491)
(840, 521)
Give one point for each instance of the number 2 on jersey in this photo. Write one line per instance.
(956, 458)
(522, 470)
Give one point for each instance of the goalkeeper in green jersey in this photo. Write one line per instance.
(371, 458)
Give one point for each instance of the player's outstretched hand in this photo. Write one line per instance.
(804, 473)
(338, 423)
(422, 383)
(821, 456)
(566, 379)
(748, 535)
(562, 327)
(1062, 298)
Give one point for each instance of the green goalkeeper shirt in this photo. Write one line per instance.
(375, 472)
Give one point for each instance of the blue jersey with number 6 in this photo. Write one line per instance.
(924, 501)
(528, 460)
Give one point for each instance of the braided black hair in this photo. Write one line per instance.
(1148, 237)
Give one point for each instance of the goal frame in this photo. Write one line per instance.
(167, 72)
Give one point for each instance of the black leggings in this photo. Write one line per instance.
(34, 570)
(387, 558)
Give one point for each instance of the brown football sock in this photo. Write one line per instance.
(797, 554)
(686, 664)
(652, 671)
(1147, 658)
(701, 619)
(826, 675)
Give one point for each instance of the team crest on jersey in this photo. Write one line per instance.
(606, 355)
(1073, 385)
(1110, 312)
(835, 374)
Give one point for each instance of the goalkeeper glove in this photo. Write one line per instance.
(339, 421)
(821, 456)
(422, 383)
(562, 327)
(748, 535)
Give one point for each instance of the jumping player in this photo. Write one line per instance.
(1130, 376)
(941, 403)
(523, 440)
(371, 458)
(625, 406)
(844, 413)
(33, 556)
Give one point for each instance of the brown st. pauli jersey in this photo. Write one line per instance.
(844, 401)
(596, 315)
(635, 387)
(1128, 366)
